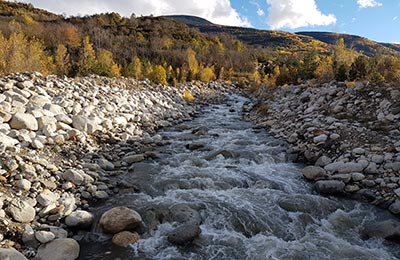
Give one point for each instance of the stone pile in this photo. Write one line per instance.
(349, 135)
(62, 142)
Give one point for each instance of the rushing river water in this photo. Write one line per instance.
(251, 202)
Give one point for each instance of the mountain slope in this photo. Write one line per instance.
(298, 41)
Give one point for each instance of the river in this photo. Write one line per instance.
(251, 202)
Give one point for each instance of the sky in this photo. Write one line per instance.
(377, 20)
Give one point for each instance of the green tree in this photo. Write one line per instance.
(359, 68)
(105, 65)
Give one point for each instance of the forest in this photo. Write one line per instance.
(169, 52)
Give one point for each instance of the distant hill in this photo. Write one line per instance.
(294, 41)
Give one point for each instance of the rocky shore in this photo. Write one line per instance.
(63, 143)
(349, 136)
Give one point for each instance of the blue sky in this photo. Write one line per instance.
(377, 20)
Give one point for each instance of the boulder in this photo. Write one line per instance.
(47, 197)
(6, 141)
(44, 236)
(320, 138)
(11, 254)
(118, 219)
(314, 172)
(329, 187)
(395, 207)
(73, 176)
(384, 229)
(184, 234)
(24, 121)
(133, 158)
(183, 213)
(125, 238)
(79, 218)
(59, 249)
(21, 211)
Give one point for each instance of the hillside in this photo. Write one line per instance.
(298, 41)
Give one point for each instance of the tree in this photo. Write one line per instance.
(87, 57)
(135, 68)
(207, 74)
(105, 65)
(193, 64)
(159, 75)
(62, 60)
(359, 68)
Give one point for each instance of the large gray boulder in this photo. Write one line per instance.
(119, 219)
(59, 249)
(125, 238)
(11, 254)
(24, 121)
(79, 218)
(21, 211)
(313, 172)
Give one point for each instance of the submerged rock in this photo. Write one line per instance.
(184, 234)
(125, 238)
(330, 187)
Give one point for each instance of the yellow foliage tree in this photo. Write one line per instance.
(105, 65)
(87, 57)
(62, 60)
(18, 54)
(192, 63)
(324, 71)
(207, 74)
(158, 75)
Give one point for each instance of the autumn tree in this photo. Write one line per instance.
(87, 57)
(207, 74)
(134, 68)
(105, 65)
(192, 63)
(158, 75)
(62, 60)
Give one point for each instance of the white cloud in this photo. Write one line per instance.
(294, 14)
(395, 18)
(368, 3)
(260, 12)
(220, 12)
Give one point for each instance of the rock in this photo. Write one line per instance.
(100, 194)
(377, 159)
(371, 168)
(195, 145)
(314, 172)
(133, 158)
(184, 234)
(395, 207)
(342, 167)
(320, 139)
(105, 164)
(37, 144)
(54, 109)
(329, 187)
(323, 161)
(44, 236)
(79, 218)
(28, 236)
(24, 121)
(118, 219)
(11, 254)
(125, 238)
(21, 211)
(73, 176)
(385, 229)
(356, 176)
(397, 192)
(47, 197)
(59, 249)
(23, 184)
(6, 141)
(183, 213)
(359, 151)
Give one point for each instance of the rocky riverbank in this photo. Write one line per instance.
(349, 135)
(63, 143)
